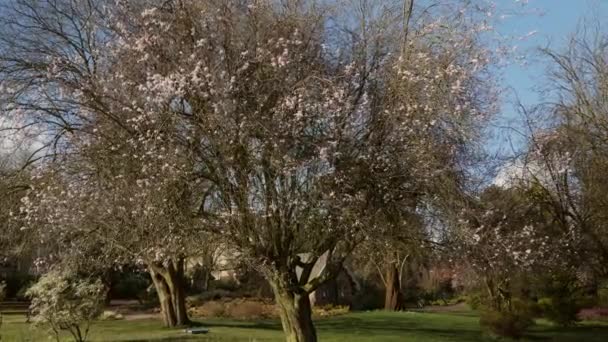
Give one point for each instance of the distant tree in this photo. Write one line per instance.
(568, 143)
(506, 235)
(389, 255)
(427, 106)
(14, 184)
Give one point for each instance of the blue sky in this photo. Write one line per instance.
(553, 21)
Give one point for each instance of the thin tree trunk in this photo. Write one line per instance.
(296, 314)
(393, 299)
(169, 284)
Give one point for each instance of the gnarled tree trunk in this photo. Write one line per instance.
(169, 282)
(292, 283)
(296, 313)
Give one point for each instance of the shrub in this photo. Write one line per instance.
(439, 302)
(561, 298)
(602, 294)
(593, 314)
(563, 308)
(200, 299)
(457, 300)
(65, 302)
(212, 309)
(242, 308)
(510, 322)
(507, 324)
(246, 310)
(475, 301)
(562, 311)
(226, 284)
(330, 310)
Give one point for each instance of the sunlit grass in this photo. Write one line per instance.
(354, 327)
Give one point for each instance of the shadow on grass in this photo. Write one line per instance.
(364, 326)
(418, 327)
(255, 325)
(211, 337)
(167, 339)
(373, 326)
(200, 338)
(581, 333)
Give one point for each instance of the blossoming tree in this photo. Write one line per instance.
(112, 185)
(280, 127)
(507, 235)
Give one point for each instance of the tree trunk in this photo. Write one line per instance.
(296, 314)
(393, 299)
(164, 298)
(169, 283)
(106, 280)
(204, 279)
(491, 293)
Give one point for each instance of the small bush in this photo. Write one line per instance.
(475, 301)
(506, 324)
(62, 301)
(602, 294)
(456, 300)
(562, 297)
(242, 308)
(441, 302)
(330, 310)
(210, 295)
(212, 309)
(562, 311)
(512, 321)
(593, 314)
(246, 310)
(227, 284)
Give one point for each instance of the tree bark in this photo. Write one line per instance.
(164, 298)
(393, 299)
(170, 287)
(296, 314)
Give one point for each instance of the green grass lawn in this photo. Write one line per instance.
(355, 327)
